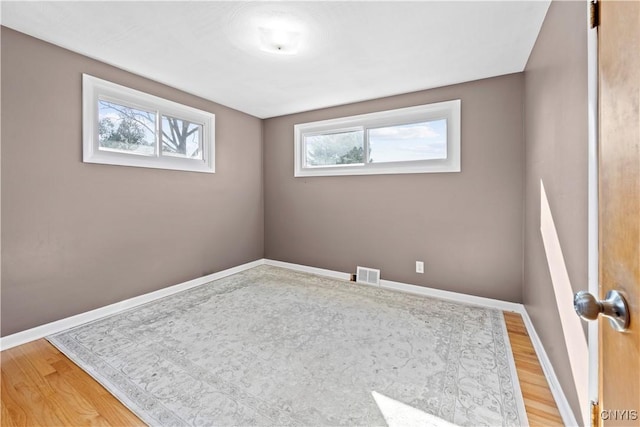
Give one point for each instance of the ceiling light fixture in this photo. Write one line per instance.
(278, 40)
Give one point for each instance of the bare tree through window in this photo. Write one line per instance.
(123, 128)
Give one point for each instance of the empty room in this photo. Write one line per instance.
(317, 213)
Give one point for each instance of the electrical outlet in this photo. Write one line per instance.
(419, 267)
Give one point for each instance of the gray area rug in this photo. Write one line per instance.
(270, 346)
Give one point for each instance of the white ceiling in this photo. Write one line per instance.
(349, 51)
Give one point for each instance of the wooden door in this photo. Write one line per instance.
(619, 211)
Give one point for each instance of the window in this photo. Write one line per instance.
(418, 139)
(123, 126)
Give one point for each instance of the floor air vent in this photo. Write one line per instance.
(370, 276)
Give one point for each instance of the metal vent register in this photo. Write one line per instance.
(370, 276)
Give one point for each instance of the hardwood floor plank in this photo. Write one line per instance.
(531, 366)
(66, 396)
(542, 419)
(22, 370)
(99, 397)
(520, 339)
(541, 408)
(532, 378)
(12, 412)
(538, 400)
(6, 419)
(73, 404)
(46, 350)
(36, 357)
(540, 394)
(27, 396)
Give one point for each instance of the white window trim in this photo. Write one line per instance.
(94, 88)
(449, 110)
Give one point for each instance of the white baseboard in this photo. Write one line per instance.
(73, 321)
(452, 296)
(403, 287)
(567, 414)
(307, 269)
(38, 332)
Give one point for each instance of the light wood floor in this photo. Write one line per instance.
(41, 387)
(538, 400)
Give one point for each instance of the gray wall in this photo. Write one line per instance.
(79, 236)
(466, 227)
(556, 140)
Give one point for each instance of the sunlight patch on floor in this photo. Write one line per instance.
(398, 414)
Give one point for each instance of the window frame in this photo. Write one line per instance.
(95, 89)
(449, 110)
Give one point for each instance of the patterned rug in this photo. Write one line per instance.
(270, 346)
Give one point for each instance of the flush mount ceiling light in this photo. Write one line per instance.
(269, 28)
(280, 31)
(279, 40)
